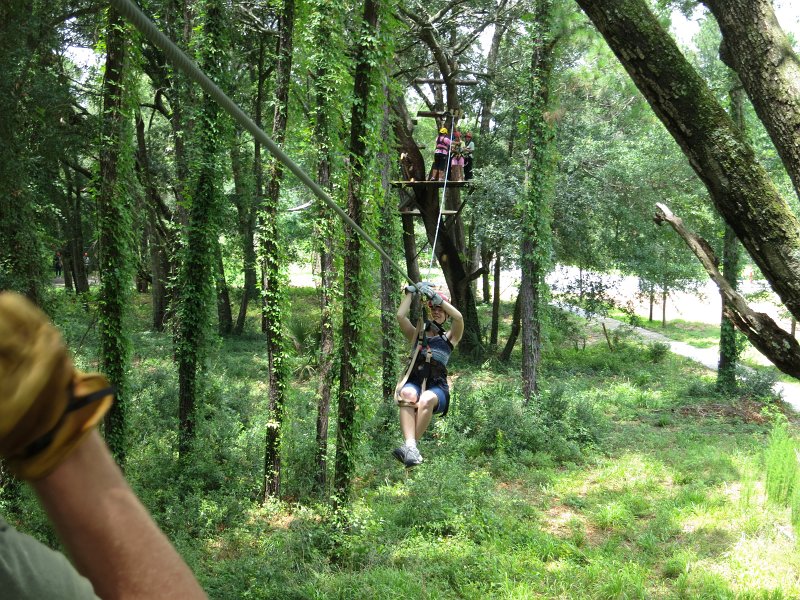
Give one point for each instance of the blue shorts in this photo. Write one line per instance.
(442, 395)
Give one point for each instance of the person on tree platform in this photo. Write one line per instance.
(424, 391)
(468, 150)
(48, 438)
(440, 154)
(457, 158)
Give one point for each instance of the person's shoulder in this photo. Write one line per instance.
(29, 569)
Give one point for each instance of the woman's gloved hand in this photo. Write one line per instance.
(46, 405)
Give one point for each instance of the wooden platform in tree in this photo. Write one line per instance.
(450, 184)
(416, 213)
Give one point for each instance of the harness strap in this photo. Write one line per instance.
(419, 342)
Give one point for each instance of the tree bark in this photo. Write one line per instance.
(115, 240)
(224, 313)
(539, 170)
(496, 303)
(728, 348)
(516, 320)
(269, 239)
(755, 46)
(739, 187)
(352, 313)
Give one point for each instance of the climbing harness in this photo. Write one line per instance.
(178, 58)
(418, 343)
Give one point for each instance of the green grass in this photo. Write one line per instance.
(627, 479)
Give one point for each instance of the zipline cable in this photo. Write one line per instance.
(444, 189)
(178, 58)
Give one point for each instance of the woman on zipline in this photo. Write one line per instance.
(425, 391)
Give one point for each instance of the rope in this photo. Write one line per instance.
(178, 58)
(444, 190)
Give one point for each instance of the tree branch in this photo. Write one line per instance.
(772, 341)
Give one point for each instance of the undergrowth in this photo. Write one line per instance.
(626, 476)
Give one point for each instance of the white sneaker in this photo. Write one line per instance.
(400, 453)
(413, 457)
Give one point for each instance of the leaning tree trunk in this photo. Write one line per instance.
(352, 310)
(755, 46)
(739, 186)
(114, 211)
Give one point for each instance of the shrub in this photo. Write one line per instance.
(657, 352)
(498, 421)
(758, 384)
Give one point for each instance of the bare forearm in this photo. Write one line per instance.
(110, 536)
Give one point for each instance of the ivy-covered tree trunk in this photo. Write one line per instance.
(325, 31)
(354, 284)
(115, 227)
(537, 207)
(273, 291)
(728, 348)
(390, 283)
(196, 273)
(739, 187)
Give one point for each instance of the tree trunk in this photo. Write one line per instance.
(486, 258)
(115, 234)
(496, 303)
(728, 351)
(719, 154)
(274, 293)
(224, 313)
(516, 320)
(196, 276)
(772, 341)
(664, 296)
(755, 46)
(75, 231)
(157, 234)
(245, 209)
(390, 283)
(539, 171)
(352, 310)
(325, 228)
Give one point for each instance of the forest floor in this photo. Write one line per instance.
(629, 477)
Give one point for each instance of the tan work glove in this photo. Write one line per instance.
(46, 405)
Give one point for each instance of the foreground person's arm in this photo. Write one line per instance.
(109, 535)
